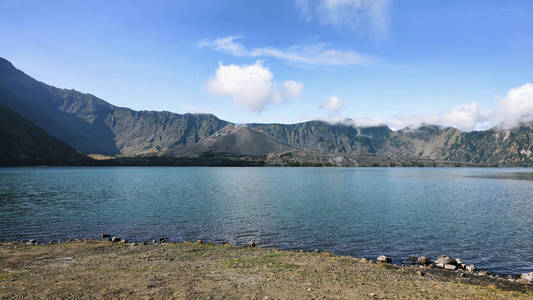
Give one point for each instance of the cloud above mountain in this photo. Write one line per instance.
(252, 86)
(514, 109)
(311, 55)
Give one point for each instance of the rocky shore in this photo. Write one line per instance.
(114, 267)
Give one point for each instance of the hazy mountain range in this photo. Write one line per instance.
(36, 117)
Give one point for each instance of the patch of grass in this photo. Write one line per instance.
(8, 276)
(272, 255)
(270, 260)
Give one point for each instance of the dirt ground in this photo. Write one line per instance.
(101, 269)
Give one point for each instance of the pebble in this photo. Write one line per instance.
(420, 273)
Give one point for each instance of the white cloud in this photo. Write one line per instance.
(513, 110)
(367, 16)
(333, 104)
(317, 54)
(293, 89)
(225, 44)
(252, 86)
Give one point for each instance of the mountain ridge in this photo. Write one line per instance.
(92, 125)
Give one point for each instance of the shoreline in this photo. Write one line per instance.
(427, 262)
(103, 269)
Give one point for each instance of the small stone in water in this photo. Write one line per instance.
(423, 260)
(470, 268)
(445, 260)
(384, 259)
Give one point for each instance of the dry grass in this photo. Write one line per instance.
(188, 270)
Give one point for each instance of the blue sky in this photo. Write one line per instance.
(456, 63)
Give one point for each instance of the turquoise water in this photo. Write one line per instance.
(484, 216)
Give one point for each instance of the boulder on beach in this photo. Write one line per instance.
(115, 239)
(423, 260)
(445, 260)
(527, 276)
(383, 259)
(450, 267)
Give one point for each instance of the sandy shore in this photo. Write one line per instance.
(101, 269)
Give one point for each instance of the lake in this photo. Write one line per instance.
(484, 216)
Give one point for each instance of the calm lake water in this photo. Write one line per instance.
(484, 216)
